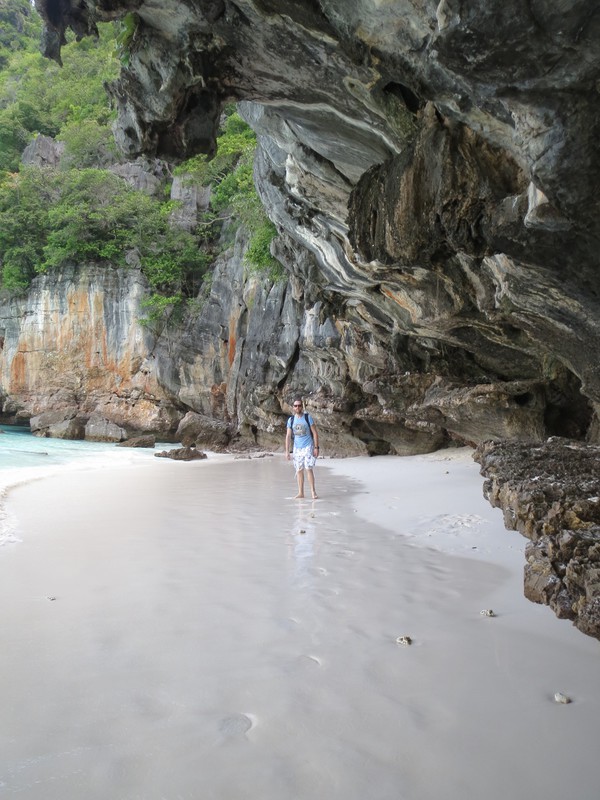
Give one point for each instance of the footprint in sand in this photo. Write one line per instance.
(300, 664)
(235, 725)
(453, 522)
(312, 659)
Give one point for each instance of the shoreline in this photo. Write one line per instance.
(166, 621)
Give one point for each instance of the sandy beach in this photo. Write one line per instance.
(189, 630)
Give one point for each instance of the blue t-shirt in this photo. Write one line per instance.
(302, 434)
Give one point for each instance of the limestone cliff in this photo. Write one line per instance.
(433, 171)
(74, 346)
(435, 164)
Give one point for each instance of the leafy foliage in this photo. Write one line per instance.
(82, 212)
(37, 96)
(23, 226)
(88, 144)
(125, 36)
(258, 254)
(20, 28)
(235, 145)
(231, 177)
(49, 218)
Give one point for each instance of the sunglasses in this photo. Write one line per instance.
(297, 405)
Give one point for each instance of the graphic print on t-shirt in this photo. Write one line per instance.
(300, 428)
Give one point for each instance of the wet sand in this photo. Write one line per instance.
(183, 630)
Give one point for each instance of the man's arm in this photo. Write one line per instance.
(315, 436)
(288, 442)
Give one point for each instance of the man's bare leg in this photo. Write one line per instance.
(311, 480)
(300, 479)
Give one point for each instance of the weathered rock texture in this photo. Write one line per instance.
(433, 171)
(182, 454)
(74, 347)
(551, 493)
(43, 151)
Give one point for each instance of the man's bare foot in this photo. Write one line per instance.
(299, 497)
(315, 496)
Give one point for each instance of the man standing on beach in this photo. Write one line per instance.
(306, 446)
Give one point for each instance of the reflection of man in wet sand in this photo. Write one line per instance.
(306, 446)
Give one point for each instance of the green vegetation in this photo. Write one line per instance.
(23, 226)
(82, 212)
(37, 96)
(20, 28)
(49, 218)
(125, 36)
(258, 255)
(88, 143)
(235, 150)
(232, 191)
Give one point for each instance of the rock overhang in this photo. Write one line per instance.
(437, 161)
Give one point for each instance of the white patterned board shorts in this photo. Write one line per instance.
(303, 458)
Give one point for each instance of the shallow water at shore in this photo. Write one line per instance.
(25, 458)
(19, 448)
(190, 631)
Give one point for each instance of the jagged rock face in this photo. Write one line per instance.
(43, 151)
(75, 345)
(438, 162)
(144, 175)
(550, 492)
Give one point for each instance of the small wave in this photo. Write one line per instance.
(9, 528)
(27, 452)
(13, 477)
(8, 522)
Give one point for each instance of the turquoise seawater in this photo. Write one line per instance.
(20, 448)
(25, 457)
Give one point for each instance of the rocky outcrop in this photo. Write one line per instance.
(192, 201)
(143, 174)
(100, 429)
(43, 151)
(198, 429)
(550, 492)
(65, 424)
(145, 440)
(74, 346)
(184, 453)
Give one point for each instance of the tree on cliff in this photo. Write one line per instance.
(233, 195)
(49, 218)
(20, 28)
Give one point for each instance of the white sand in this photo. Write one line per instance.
(210, 637)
